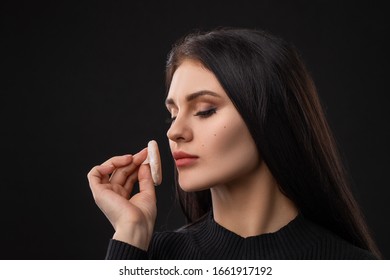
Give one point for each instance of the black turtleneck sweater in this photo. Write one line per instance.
(205, 239)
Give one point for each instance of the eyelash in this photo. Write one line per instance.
(206, 113)
(202, 114)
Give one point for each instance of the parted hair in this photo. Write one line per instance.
(268, 83)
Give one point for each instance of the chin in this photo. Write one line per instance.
(193, 186)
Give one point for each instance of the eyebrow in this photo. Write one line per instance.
(192, 96)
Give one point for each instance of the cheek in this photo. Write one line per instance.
(227, 153)
(232, 148)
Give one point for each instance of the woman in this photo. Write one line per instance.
(258, 172)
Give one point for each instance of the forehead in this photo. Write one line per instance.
(191, 76)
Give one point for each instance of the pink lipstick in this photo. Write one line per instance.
(183, 159)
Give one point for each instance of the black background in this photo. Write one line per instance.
(84, 81)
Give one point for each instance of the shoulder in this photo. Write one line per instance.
(328, 245)
(177, 244)
(169, 239)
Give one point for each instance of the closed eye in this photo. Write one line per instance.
(206, 113)
(201, 114)
(170, 120)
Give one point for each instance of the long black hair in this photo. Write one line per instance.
(269, 85)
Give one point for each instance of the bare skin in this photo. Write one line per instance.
(257, 208)
(246, 199)
(132, 218)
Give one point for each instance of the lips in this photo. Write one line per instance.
(183, 159)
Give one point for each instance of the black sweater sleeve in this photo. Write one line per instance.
(118, 250)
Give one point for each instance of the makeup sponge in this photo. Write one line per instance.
(154, 162)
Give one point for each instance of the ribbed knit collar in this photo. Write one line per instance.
(216, 241)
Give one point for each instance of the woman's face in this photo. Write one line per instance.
(209, 140)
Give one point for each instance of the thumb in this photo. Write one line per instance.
(145, 180)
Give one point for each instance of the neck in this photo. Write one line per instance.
(253, 205)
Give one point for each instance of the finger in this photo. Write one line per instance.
(121, 174)
(138, 160)
(140, 157)
(128, 185)
(119, 161)
(98, 175)
(146, 184)
(121, 191)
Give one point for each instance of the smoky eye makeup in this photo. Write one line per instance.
(170, 119)
(201, 107)
(201, 113)
(206, 113)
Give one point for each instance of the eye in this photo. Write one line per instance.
(170, 120)
(206, 113)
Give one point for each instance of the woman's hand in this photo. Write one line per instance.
(133, 217)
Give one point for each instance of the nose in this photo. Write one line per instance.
(180, 130)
